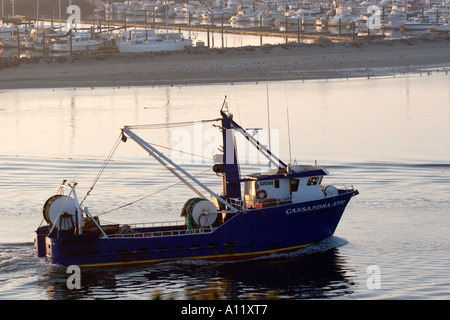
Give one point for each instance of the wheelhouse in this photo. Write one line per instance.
(277, 187)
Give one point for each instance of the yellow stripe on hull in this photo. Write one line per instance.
(224, 257)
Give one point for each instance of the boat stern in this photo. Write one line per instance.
(39, 241)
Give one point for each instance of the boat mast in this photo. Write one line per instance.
(231, 176)
(167, 20)
(231, 183)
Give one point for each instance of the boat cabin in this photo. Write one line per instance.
(279, 187)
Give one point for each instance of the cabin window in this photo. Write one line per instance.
(294, 185)
(313, 181)
(277, 183)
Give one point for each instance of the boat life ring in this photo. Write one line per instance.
(261, 194)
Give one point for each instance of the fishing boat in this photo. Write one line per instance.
(282, 210)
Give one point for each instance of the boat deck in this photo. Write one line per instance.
(146, 230)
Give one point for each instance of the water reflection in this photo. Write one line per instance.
(62, 122)
(316, 275)
(319, 275)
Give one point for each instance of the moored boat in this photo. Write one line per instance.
(12, 42)
(45, 34)
(153, 42)
(342, 18)
(395, 20)
(444, 27)
(78, 42)
(421, 22)
(282, 210)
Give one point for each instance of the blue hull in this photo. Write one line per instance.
(246, 235)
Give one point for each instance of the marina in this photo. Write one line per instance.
(293, 61)
(211, 25)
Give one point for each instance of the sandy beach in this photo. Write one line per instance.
(293, 61)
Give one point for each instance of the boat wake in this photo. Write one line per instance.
(16, 255)
(19, 268)
(332, 242)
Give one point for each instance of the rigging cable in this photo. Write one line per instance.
(181, 151)
(149, 195)
(108, 159)
(288, 127)
(122, 137)
(169, 125)
(268, 117)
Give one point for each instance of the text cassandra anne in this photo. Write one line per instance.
(315, 207)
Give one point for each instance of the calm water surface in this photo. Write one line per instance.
(388, 137)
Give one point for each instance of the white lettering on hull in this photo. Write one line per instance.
(315, 207)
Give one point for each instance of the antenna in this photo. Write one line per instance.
(268, 115)
(288, 127)
(289, 134)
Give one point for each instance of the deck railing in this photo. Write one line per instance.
(242, 204)
(238, 203)
(128, 231)
(157, 224)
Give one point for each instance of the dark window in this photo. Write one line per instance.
(294, 185)
(312, 181)
(277, 183)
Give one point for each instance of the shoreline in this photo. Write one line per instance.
(292, 61)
